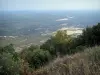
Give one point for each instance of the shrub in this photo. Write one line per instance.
(91, 35)
(37, 58)
(82, 63)
(50, 46)
(33, 47)
(8, 66)
(7, 49)
(60, 43)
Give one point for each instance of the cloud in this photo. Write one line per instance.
(71, 17)
(64, 19)
(64, 24)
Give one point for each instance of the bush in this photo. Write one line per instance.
(60, 43)
(9, 61)
(8, 66)
(81, 63)
(91, 35)
(36, 58)
(7, 49)
(50, 46)
(33, 47)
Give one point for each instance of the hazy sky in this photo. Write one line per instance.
(49, 4)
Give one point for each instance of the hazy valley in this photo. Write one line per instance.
(23, 28)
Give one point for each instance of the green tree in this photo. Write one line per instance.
(37, 58)
(63, 42)
(60, 43)
(8, 66)
(91, 35)
(7, 49)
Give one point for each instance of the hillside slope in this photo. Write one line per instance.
(83, 63)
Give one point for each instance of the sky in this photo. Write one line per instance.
(49, 4)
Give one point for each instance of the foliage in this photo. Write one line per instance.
(32, 47)
(38, 58)
(7, 49)
(9, 63)
(60, 43)
(81, 63)
(35, 57)
(90, 36)
(50, 46)
(64, 44)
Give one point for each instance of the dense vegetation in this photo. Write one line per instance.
(81, 63)
(65, 44)
(34, 57)
(9, 61)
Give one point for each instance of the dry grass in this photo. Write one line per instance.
(85, 63)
